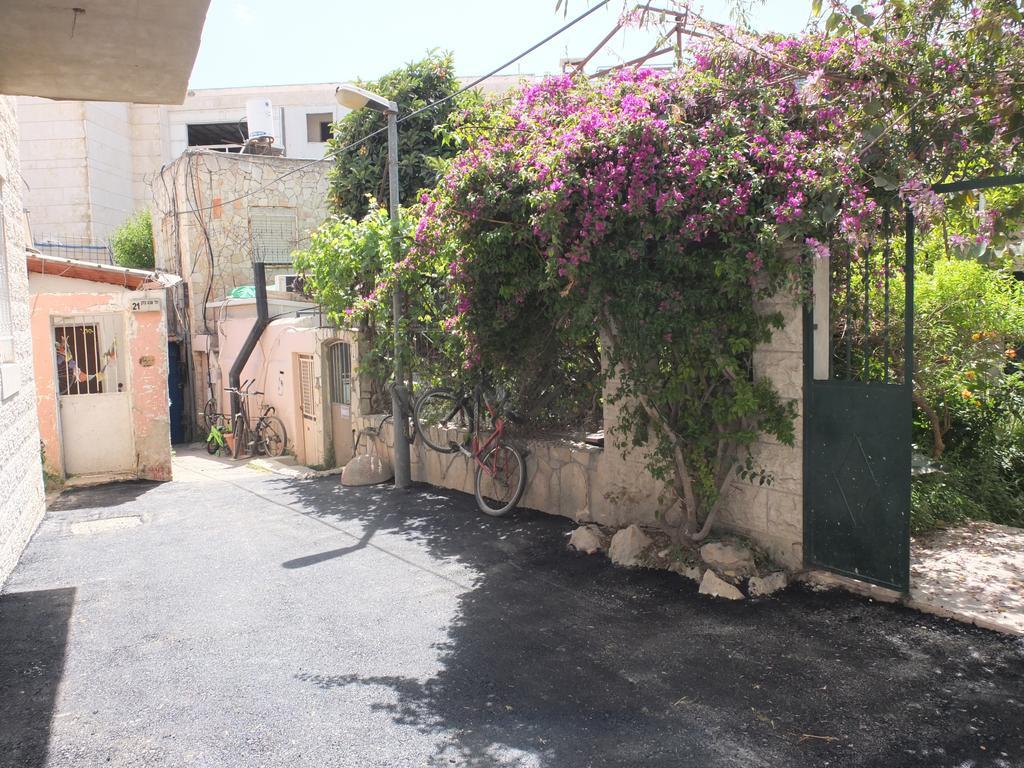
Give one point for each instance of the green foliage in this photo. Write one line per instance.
(981, 479)
(361, 173)
(133, 242)
(350, 268)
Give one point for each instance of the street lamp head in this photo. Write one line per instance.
(353, 97)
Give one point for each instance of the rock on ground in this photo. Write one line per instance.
(728, 557)
(715, 586)
(627, 546)
(586, 539)
(694, 572)
(367, 470)
(759, 586)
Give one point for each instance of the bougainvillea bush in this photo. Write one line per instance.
(654, 213)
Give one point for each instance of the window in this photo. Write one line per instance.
(340, 362)
(86, 349)
(306, 386)
(222, 137)
(318, 127)
(274, 234)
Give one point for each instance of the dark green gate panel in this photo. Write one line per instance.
(858, 413)
(857, 481)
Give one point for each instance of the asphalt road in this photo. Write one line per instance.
(237, 618)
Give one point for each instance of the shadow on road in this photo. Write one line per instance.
(558, 659)
(107, 495)
(33, 641)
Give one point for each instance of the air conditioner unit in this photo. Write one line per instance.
(285, 282)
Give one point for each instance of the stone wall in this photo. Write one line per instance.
(201, 210)
(605, 486)
(21, 479)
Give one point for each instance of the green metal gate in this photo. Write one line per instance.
(858, 342)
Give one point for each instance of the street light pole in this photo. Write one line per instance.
(354, 97)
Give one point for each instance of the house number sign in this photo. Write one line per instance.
(146, 305)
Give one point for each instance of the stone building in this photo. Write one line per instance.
(21, 478)
(89, 165)
(39, 58)
(212, 211)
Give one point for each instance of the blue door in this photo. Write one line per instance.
(176, 389)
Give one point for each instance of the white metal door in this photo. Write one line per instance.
(93, 396)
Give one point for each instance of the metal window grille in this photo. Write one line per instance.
(71, 247)
(274, 234)
(341, 373)
(88, 355)
(306, 386)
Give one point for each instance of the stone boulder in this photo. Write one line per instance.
(729, 558)
(715, 586)
(759, 586)
(627, 546)
(687, 570)
(586, 539)
(367, 470)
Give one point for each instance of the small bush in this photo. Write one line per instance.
(133, 242)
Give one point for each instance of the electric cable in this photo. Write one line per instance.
(336, 152)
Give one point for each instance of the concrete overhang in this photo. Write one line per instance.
(100, 50)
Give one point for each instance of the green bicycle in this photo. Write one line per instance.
(216, 442)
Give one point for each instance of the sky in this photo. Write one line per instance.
(269, 42)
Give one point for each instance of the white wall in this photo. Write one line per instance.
(21, 479)
(53, 163)
(295, 130)
(90, 165)
(108, 140)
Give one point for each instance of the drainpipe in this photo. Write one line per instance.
(259, 273)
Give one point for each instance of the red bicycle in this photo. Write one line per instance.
(500, 468)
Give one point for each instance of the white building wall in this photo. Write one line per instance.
(53, 164)
(21, 479)
(150, 149)
(89, 165)
(108, 138)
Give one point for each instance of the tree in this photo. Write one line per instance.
(657, 208)
(132, 242)
(360, 173)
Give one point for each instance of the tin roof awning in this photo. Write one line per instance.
(100, 50)
(133, 279)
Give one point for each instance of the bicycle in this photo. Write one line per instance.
(267, 436)
(500, 469)
(215, 440)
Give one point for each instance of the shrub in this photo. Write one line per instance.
(132, 242)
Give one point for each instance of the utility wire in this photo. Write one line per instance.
(432, 105)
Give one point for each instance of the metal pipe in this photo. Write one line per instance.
(403, 476)
(259, 273)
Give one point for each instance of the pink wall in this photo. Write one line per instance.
(146, 372)
(272, 364)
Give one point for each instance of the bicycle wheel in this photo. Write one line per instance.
(437, 411)
(501, 480)
(273, 438)
(210, 413)
(212, 445)
(240, 435)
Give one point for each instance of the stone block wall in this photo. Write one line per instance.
(201, 208)
(21, 478)
(605, 486)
